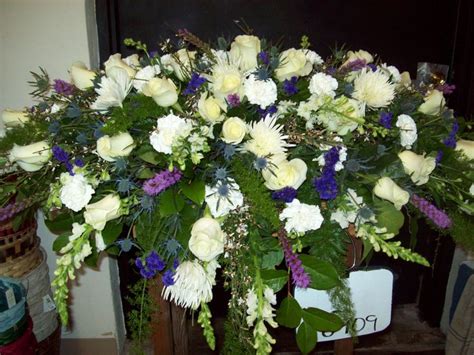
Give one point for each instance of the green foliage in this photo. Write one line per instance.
(275, 279)
(323, 274)
(388, 216)
(40, 83)
(251, 184)
(194, 190)
(321, 320)
(340, 297)
(461, 230)
(289, 314)
(306, 338)
(32, 132)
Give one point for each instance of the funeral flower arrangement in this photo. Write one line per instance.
(244, 160)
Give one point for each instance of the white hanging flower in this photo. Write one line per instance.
(76, 192)
(323, 84)
(169, 129)
(192, 284)
(113, 89)
(301, 217)
(223, 198)
(373, 88)
(267, 311)
(408, 132)
(260, 92)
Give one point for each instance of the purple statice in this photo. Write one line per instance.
(372, 66)
(446, 89)
(439, 156)
(356, 65)
(194, 84)
(175, 263)
(289, 86)
(437, 216)
(79, 162)
(263, 57)
(299, 276)
(60, 154)
(385, 119)
(63, 88)
(233, 100)
(326, 184)
(153, 264)
(331, 71)
(270, 110)
(450, 141)
(161, 181)
(286, 194)
(168, 278)
(144, 271)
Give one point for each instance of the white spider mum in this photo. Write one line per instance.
(226, 79)
(192, 284)
(113, 89)
(373, 88)
(266, 138)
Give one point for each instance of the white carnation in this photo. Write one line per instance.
(408, 132)
(392, 72)
(76, 192)
(169, 129)
(323, 84)
(260, 92)
(301, 217)
(313, 57)
(223, 198)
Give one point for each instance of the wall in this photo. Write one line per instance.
(52, 34)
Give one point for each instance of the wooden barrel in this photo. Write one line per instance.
(38, 287)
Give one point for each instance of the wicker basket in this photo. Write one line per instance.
(38, 286)
(15, 244)
(20, 266)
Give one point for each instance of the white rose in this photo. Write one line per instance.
(233, 130)
(293, 62)
(434, 103)
(144, 75)
(110, 148)
(12, 118)
(182, 66)
(408, 131)
(417, 166)
(99, 213)
(260, 92)
(405, 79)
(31, 157)
(115, 60)
(81, 77)
(211, 108)
(466, 147)
(132, 60)
(358, 55)
(244, 51)
(286, 173)
(163, 91)
(387, 189)
(226, 80)
(207, 239)
(323, 84)
(169, 128)
(76, 192)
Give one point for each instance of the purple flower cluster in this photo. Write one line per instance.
(289, 86)
(233, 100)
(194, 84)
(446, 89)
(326, 185)
(356, 65)
(439, 156)
(153, 264)
(450, 142)
(63, 88)
(63, 157)
(299, 276)
(161, 181)
(12, 209)
(437, 216)
(270, 110)
(263, 57)
(386, 119)
(286, 194)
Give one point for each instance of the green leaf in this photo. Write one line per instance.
(306, 338)
(194, 190)
(272, 259)
(388, 216)
(113, 250)
(111, 232)
(275, 279)
(150, 156)
(60, 224)
(170, 203)
(145, 173)
(368, 247)
(323, 275)
(289, 313)
(60, 242)
(92, 259)
(322, 320)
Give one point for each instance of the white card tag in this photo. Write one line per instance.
(10, 298)
(48, 304)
